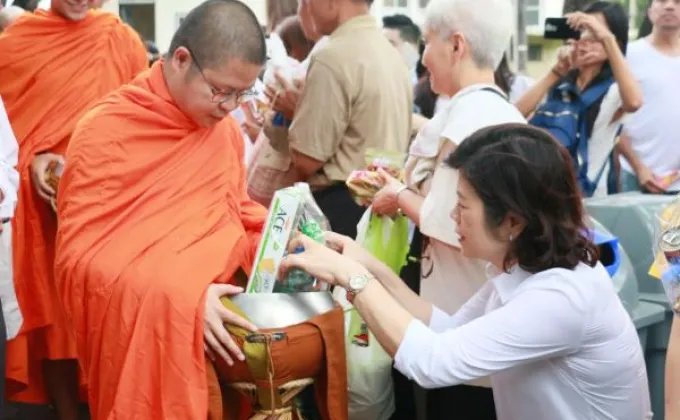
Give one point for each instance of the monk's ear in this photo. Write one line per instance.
(181, 58)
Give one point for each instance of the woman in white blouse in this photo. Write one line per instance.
(547, 327)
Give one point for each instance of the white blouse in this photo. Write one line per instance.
(558, 345)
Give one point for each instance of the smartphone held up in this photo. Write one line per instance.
(558, 28)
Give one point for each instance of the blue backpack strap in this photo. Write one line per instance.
(589, 97)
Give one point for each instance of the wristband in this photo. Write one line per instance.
(557, 73)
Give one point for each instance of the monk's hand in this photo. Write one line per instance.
(38, 170)
(217, 338)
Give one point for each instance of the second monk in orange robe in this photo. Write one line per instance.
(53, 66)
(154, 221)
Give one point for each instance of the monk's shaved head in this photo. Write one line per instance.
(221, 30)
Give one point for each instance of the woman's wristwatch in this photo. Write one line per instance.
(356, 284)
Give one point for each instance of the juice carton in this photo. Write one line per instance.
(281, 224)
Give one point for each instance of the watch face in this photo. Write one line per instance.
(357, 282)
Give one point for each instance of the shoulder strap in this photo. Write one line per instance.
(589, 97)
(595, 92)
(496, 91)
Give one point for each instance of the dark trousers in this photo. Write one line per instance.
(461, 402)
(339, 207)
(404, 391)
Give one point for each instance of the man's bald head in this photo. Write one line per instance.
(221, 30)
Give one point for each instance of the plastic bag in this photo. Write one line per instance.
(280, 62)
(312, 223)
(369, 367)
(292, 211)
(666, 266)
(364, 184)
(390, 161)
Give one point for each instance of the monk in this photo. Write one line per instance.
(53, 67)
(155, 222)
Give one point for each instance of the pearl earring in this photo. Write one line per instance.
(511, 237)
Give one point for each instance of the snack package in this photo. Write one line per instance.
(292, 211)
(390, 162)
(666, 266)
(366, 183)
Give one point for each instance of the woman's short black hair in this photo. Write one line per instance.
(522, 169)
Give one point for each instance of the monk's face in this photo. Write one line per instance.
(208, 94)
(96, 4)
(74, 10)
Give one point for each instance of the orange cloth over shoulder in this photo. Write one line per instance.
(51, 71)
(152, 210)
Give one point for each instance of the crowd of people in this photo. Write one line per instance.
(111, 280)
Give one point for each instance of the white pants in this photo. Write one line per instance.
(10, 306)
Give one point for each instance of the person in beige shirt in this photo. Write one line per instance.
(357, 96)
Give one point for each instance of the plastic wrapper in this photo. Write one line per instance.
(364, 184)
(293, 211)
(389, 161)
(279, 62)
(666, 265)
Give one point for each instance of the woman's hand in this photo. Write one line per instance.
(322, 262)
(586, 22)
(649, 181)
(217, 338)
(385, 201)
(38, 171)
(285, 99)
(566, 59)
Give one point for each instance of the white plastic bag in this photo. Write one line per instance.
(369, 367)
(279, 62)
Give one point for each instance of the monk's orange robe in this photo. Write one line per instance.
(152, 210)
(51, 71)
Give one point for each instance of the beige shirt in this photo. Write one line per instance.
(357, 96)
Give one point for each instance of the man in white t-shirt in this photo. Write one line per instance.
(651, 142)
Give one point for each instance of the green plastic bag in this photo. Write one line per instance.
(369, 367)
(387, 240)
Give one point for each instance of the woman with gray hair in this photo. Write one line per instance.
(464, 45)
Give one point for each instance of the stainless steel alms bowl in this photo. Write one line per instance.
(280, 310)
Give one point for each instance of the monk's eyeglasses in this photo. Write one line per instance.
(219, 96)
